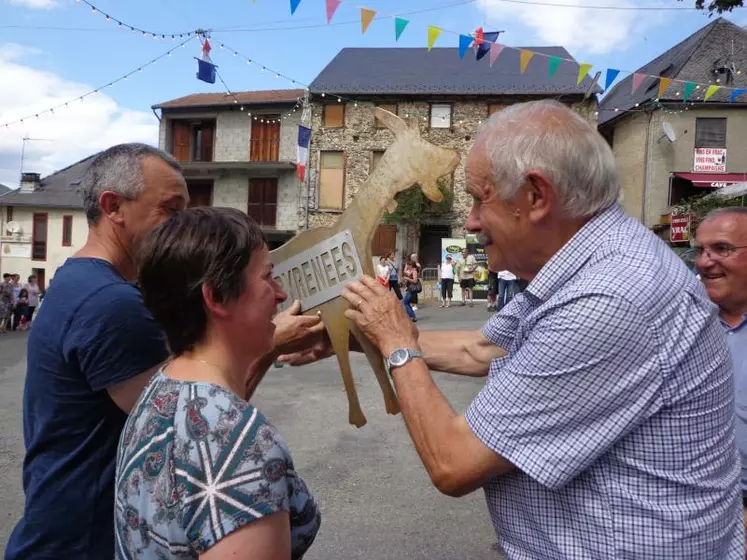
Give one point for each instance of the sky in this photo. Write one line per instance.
(54, 51)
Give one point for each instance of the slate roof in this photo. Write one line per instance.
(691, 60)
(408, 71)
(58, 190)
(243, 97)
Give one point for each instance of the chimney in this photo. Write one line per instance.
(30, 182)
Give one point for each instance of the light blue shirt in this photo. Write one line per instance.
(736, 338)
(616, 405)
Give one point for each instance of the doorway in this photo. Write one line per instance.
(430, 244)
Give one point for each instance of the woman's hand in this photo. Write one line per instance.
(379, 314)
(294, 332)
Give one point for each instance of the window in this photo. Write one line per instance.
(440, 115)
(334, 115)
(263, 201)
(9, 214)
(376, 156)
(193, 141)
(67, 231)
(391, 107)
(332, 180)
(710, 133)
(495, 107)
(265, 139)
(39, 238)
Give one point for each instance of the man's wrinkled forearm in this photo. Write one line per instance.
(460, 353)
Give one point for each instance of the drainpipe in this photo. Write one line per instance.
(645, 168)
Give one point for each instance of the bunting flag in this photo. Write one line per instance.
(332, 6)
(583, 69)
(688, 90)
(663, 85)
(710, 92)
(553, 63)
(302, 153)
(638, 80)
(736, 93)
(399, 27)
(495, 51)
(433, 33)
(366, 18)
(206, 71)
(294, 6)
(611, 76)
(464, 44)
(479, 37)
(525, 57)
(487, 44)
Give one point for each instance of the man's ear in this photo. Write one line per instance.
(111, 206)
(211, 304)
(540, 195)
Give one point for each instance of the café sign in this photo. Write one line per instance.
(709, 160)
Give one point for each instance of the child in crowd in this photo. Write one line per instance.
(21, 310)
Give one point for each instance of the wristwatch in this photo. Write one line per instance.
(400, 357)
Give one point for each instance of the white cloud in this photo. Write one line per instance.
(592, 31)
(35, 4)
(75, 131)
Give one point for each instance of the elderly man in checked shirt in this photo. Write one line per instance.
(605, 428)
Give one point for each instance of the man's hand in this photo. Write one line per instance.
(294, 332)
(380, 316)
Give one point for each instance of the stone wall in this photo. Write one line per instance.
(359, 138)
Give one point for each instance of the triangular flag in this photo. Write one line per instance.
(332, 6)
(488, 39)
(611, 75)
(736, 93)
(663, 85)
(433, 33)
(294, 6)
(688, 90)
(399, 27)
(710, 92)
(464, 42)
(552, 65)
(525, 57)
(495, 51)
(583, 69)
(366, 18)
(638, 80)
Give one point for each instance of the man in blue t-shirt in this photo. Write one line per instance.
(93, 348)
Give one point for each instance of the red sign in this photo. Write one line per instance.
(679, 229)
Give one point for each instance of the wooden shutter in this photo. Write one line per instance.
(208, 139)
(180, 140)
(39, 237)
(332, 180)
(265, 143)
(391, 107)
(384, 241)
(334, 115)
(200, 193)
(263, 201)
(67, 231)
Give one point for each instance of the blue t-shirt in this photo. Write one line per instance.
(92, 332)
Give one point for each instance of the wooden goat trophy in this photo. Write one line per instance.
(314, 266)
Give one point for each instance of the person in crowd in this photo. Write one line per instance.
(492, 290)
(721, 261)
(34, 292)
(223, 472)
(391, 262)
(447, 281)
(6, 312)
(383, 272)
(605, 428)
(20, 311)
(467, 267)
(93, 349)
(414, 296)
(506, 288)
(411, 275)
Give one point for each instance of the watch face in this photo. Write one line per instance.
(398, 357)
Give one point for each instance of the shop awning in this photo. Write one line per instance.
(712, 180)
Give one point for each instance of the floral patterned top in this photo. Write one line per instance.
(195, 463)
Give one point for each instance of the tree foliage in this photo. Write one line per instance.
(717, 6)
(413, 207)
(698, 206)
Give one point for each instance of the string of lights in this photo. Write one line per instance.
(81, 98)
(146, 33)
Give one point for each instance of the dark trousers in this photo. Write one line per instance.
(18, 312)
(394, 285)
(506, 291)
(447, 288)
(30, 313)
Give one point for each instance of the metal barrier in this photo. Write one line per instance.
(429, 274)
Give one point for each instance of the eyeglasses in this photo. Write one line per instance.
(717, 251)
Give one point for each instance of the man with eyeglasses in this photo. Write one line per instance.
(721, 260)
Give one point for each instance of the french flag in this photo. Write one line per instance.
(304, 138)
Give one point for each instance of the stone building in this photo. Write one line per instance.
(448, 97)
(239, 150)
(668, 150)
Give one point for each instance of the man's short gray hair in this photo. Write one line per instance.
(726, 211)
(118, 169)
(549, 137)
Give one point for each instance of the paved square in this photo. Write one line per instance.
(376, 499)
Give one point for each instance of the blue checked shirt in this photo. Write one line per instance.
(615, 404)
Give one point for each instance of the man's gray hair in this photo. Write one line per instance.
(118, 169)
(549, 137)
(726, 211)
